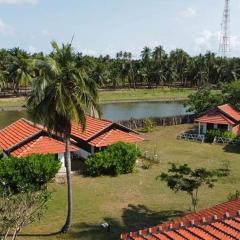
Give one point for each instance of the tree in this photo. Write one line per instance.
(18, 69)
(183, 178)
(203, 100)
(62, 93)
(231, 93)
(23, 191)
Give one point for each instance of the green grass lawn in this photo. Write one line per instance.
(145, 94)
(161, 94)
(137, 200)
(12, 102)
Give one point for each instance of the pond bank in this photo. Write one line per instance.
(18, 107)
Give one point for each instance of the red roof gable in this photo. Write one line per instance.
(17, 132)
(42, 145)
(98, 133)
(224, 114)
(216, 117)
(230, 111)
(219, 222)
(93, 126)
(113, 136)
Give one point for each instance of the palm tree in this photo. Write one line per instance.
(61, 93)
(18, 69)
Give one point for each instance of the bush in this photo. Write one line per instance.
(24, 195)
(148, 125)
(211, 134)
(30, 173)
(119, 158)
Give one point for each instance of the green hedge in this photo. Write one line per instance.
(119, 158)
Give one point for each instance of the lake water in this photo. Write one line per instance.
(117, 111)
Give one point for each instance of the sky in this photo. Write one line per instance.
(108, 26)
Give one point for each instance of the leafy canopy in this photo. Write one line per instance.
(119, 158)
(62, 91)
(183, 178)
(31, 173)
(203, 100)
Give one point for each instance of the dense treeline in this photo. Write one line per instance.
(155, 68)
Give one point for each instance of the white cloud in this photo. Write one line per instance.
(188, 13)
(5, 29)
(18, 1)
(209, 40)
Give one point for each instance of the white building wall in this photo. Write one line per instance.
(83, 154)
(61, 159)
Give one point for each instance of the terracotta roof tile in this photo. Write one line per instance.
(224, 114)
(230, 111)
(224, 226)
(113, 136)
(17, 132)
(93, 126)
(42, 145)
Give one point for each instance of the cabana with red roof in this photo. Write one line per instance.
(221, 222)
(224, 117)
(23, 138)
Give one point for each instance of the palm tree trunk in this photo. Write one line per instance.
(67, 159)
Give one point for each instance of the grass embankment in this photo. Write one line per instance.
(160, 94)
(137, 200)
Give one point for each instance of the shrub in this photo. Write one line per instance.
(23, 191)
(30, 173)
(148, 125)
(211, 134)
(119, 158)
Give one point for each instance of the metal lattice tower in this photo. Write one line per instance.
(225, 41)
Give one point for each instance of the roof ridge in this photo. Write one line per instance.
(106, 134)
(204, 217)
(31, 145)
(37, 125)
(226, 117)
(98, 118)
(99, 132)
(231, 106)
(191, 223)
(1, 130)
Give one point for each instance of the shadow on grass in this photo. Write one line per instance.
(232, 148)
(133, 219)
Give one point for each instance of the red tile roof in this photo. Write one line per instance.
(113, 136)
(219, 222)
(24, 132)
(215, 117)
(17, 132)
(42, 145)
(224, 114)
(93, 126)
(230, 111)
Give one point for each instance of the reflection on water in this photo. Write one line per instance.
(117, 111)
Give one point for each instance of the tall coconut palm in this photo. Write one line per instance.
(60, 94)
(18, 69)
